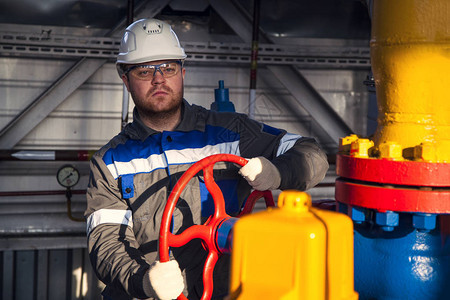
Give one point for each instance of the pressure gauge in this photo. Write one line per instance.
(68, 176)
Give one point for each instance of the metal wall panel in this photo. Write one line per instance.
(55, 274)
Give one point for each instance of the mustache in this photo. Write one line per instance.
(159, 88)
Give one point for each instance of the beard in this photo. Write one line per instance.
(159, 108)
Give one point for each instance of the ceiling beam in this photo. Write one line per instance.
(237, 18)
(43, 105)
(308, 97)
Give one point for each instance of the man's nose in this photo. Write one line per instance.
(158, 77)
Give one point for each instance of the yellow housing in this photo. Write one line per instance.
(410, 51)
(293, 252)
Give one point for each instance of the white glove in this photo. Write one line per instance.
(165, 280)
(261, 174)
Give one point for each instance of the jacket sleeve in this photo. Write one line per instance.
(303, 166)
(113, 250)
(300, 160)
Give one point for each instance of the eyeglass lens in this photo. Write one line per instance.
(147, 72)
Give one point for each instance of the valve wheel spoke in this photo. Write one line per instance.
(193, 232)
(208, 270)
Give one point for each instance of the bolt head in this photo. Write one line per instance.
(389, 218)
(424, 221)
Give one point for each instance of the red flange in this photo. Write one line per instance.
(393, 198)
(394, 172)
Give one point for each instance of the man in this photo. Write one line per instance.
(133, 175)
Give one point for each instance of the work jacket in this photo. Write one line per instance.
(132, 176)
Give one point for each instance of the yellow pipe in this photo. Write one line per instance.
(410, 52)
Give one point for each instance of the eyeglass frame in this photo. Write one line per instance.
(157, 67)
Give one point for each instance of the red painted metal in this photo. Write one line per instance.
(255, 196)
(205, 232)
(399, 199)
(394, 172)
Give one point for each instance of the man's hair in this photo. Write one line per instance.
(121, 68)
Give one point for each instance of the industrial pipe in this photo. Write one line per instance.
(69, 207)
(254, 59)
(410, 52)
(126, 94)
(46, 155)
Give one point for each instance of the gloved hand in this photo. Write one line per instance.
(261, 174)
(164, 280)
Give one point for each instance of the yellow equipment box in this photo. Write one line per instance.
(294, 251)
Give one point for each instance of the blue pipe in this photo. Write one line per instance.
(403, 262)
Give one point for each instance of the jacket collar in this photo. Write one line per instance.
(192, 119)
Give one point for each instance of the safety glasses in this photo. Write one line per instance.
(147, 72)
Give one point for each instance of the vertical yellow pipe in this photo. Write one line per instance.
(410, 51)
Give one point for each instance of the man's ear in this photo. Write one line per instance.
(125, 81)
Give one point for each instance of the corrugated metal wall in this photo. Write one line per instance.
(53, 274)
(43, 252)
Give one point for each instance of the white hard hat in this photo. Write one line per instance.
(149, 40)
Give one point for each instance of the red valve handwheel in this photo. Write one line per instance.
(205, 232)
(255, 196)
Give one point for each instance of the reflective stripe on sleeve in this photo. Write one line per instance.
(109, 216)
(287, 142)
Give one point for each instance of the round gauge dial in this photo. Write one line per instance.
(68, 176)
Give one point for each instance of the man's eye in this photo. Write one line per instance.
(144, 72)
(169, 70)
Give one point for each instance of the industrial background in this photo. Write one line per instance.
(61, 99)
